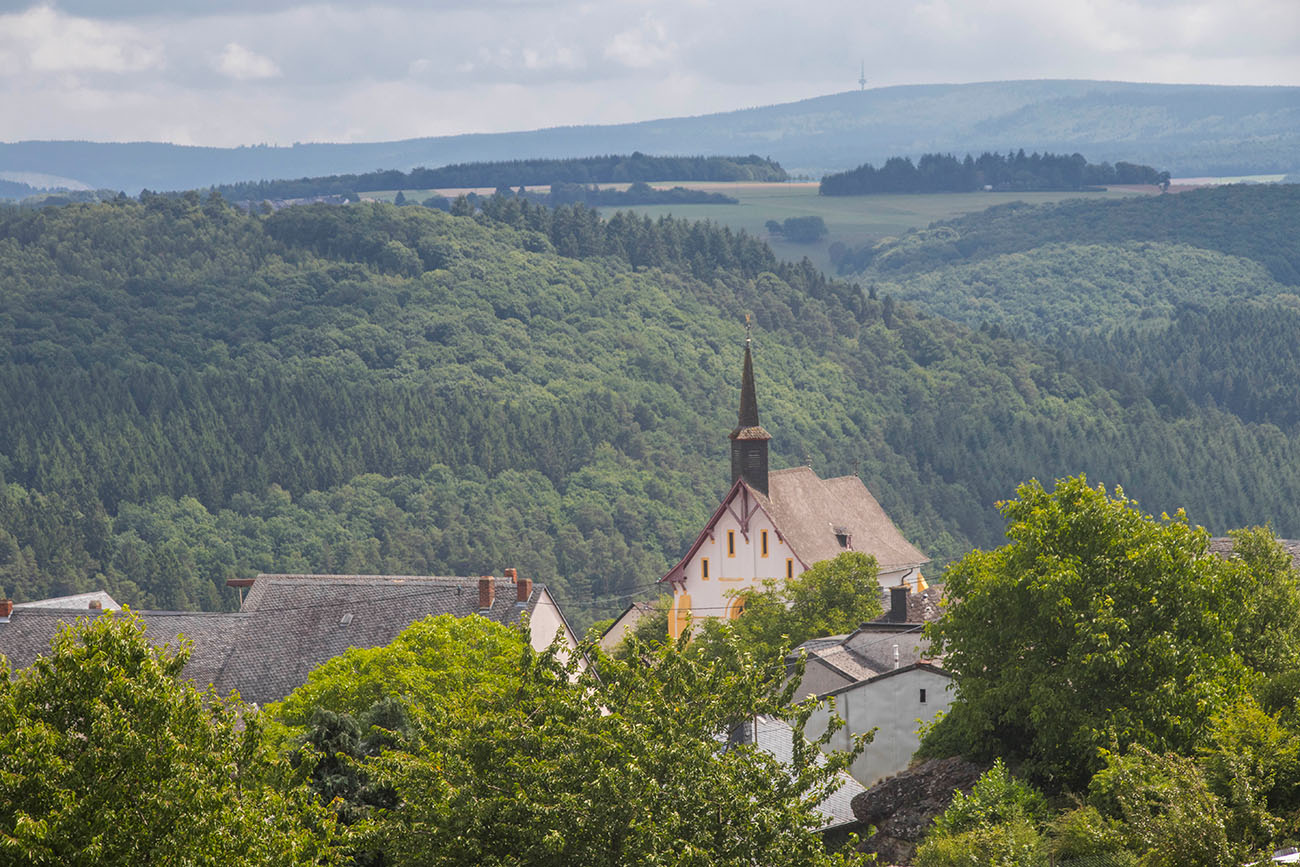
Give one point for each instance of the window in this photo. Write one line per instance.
(789, 568)
(763, 542)
(731, 543)
(704, 568)
(843, 539)
(735, 608)
(922, 696)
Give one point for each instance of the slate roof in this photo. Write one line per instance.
(775, 737)
(77, 600)
(808, 511)
(30, 630)
(294, 621)
(922, 607)
(1223, 546)
(288, 625)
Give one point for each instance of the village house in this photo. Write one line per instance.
(881, 676)
(287, 625)
(774, 524)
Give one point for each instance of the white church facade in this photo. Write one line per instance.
(773, 525)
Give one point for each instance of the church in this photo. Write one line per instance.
(774, 524)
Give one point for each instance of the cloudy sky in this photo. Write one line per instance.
(253, 71)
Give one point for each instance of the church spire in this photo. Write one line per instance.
(749, 439)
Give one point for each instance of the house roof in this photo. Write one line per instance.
(75, 601)
(893, 672)
(809, 512)
(289, 624)
(776, 738)
(29, 632)
(1224, 547)
(922, 606)
(296, 622)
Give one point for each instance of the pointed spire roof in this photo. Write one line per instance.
(747, 425)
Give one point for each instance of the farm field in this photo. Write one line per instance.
(851, 220)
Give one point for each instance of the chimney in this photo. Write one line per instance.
(523, 588)
(487, 592)
(6, 608)
(95, 605)
(897, 604)
(512, 574)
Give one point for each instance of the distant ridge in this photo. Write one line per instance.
(1188, 129)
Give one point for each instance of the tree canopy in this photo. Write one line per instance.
(1097, 624)
(107, 756)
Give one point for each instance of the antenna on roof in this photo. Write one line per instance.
(862, 78)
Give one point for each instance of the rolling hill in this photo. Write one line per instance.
(1186, 129)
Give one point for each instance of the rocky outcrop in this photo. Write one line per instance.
(903, 807)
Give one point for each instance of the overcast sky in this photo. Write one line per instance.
(254, 71)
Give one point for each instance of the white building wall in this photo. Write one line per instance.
(891, 704)
(545, 621)
(747, 568)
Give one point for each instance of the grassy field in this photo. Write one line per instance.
(851, 220)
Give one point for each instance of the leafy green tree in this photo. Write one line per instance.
(622, 768)
(1167, 811)
(830, 598)
(1095, 624)
(997, 822)
(107, 756)
(448, 663)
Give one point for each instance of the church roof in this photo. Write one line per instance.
(809, 512)
(747, 424)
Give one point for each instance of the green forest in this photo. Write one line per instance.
(944, 173)
(610, 169)
(190, 393)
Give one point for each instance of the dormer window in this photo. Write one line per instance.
(843, 536)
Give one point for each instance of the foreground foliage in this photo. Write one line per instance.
(107, 756)
(1099, 624)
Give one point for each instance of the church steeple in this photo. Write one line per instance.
(749, 439)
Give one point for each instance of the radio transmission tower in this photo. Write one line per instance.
(862, 79)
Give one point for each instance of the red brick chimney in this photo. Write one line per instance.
(523, 589)
(487, 592)
(512, 574)
(6, 607)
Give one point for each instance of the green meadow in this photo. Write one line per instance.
(851, 220)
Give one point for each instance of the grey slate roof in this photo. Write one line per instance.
(293, 622)
(808, 511)
(775, 737)
(288, 625)
(922, 607)
(1223, 546)
(77, 600)
(30, 630)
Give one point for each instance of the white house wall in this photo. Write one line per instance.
(748, 568)
(891, 704)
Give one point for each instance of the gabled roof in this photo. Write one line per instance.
(75, 601)
(893, 672)
(776, 738)
(808, 511)
(294, 622)
(29, 632)
(289, 624)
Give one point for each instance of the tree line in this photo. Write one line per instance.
(1014, 171)
(610, 169)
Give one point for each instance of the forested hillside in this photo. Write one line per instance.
(514, 173)
(188, 392)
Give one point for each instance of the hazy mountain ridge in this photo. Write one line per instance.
(1187, 129)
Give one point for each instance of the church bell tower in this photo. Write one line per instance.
(749, 439)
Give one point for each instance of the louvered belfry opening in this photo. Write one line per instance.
(749, 439)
